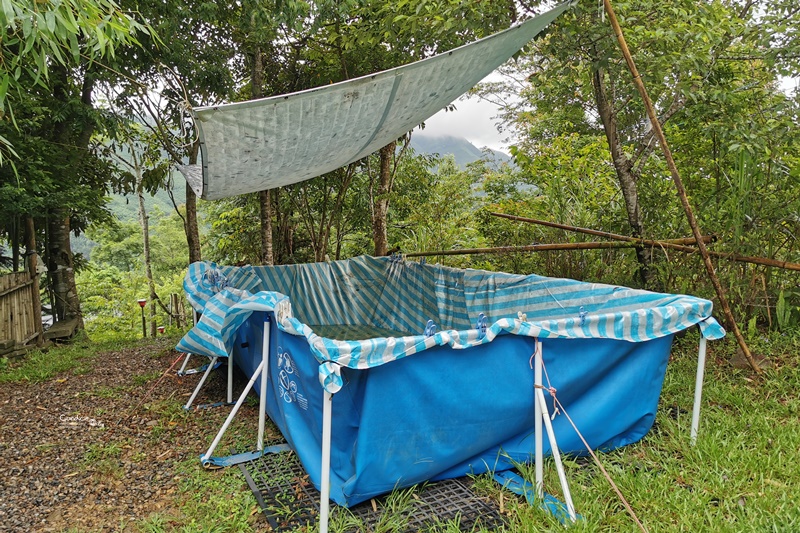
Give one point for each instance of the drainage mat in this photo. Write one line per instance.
(289, 501)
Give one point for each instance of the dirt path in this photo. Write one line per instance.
(98, 448)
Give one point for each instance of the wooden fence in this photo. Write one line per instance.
(18, 323)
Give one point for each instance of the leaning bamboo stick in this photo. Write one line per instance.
(676, 178)
(598, 233)
(671, 244)
(527, 248)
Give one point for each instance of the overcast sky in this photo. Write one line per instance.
(473, 119)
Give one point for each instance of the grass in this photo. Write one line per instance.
(77, 357)
(741, 475)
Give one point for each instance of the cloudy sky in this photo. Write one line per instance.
(474, 119)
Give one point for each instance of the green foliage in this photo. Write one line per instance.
(115, 279)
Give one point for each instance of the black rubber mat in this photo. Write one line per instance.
(289, 501)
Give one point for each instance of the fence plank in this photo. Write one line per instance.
(16, 307)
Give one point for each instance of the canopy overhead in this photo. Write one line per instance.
(262, 144)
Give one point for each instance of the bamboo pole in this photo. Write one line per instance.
(672, 244)
(528, 248)
(598, 233)
(676, 177)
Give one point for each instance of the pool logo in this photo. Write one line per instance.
(287, 387)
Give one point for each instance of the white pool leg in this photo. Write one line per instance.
(562, 477)
(211, 364)
(698, 389)
(325, 482)
(537, 423)
(230, 379)
(262, 396)
(233, 412)
(185, 362)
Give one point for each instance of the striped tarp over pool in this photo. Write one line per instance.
(393, 295)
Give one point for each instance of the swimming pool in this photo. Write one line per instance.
(428, 370)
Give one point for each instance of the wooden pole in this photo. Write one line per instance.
(30, 251)
(673, 169)
(672, 244)
(598, 233)
(528, 248)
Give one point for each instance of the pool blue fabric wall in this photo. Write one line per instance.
(446, 413)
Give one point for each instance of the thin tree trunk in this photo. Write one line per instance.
(33, 260)
(264, 199)
(265, 202)
(190, 223)
(624, 170)
(380, 210)
(145, 225)
(14, 231)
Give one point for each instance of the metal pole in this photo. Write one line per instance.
(210, 367)
(144, 324)
(262, 396)
(325, 481)
(562, 477)
(537, 424)
(233, 412)
(698, 389)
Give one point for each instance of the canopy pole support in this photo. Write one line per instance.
(262, 396)
(207, 456)
(325, 481)
(676, 178)
(202, 381)
(537, 423)
(562, 476)
(698, 389)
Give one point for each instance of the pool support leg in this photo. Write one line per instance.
(262, 396)
(698, 389)
(205, 457)
(537, 423)
(562, 477)
(325, 475)
(202, 381)
(185, 362)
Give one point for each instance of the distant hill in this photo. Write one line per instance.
(462, 150)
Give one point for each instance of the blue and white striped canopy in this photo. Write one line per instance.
(388, 295)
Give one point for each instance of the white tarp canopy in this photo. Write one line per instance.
(262, 144)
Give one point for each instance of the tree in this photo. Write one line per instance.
(579, 83)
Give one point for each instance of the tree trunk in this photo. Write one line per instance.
(13, 230)
(66, 303)
(190, 223)
(264, 199)
(624, 170)
(148, 271)
(33, 260)
(380, 208)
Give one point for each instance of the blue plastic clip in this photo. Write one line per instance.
(430, 328)
(582, 314)
(481, 324)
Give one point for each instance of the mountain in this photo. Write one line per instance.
(464, 151)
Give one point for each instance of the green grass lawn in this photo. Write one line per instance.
(742, 475)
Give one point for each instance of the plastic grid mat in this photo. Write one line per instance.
(289, 501)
